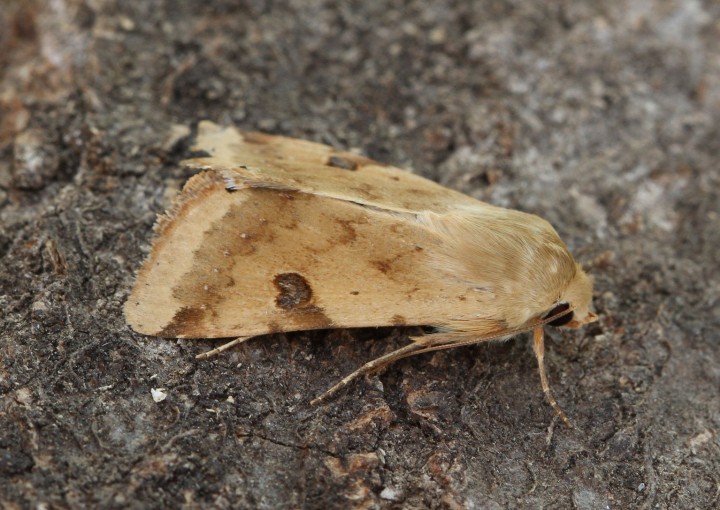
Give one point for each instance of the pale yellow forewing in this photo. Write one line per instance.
(260, 160)
(255, 261)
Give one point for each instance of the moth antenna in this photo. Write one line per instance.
(539, 348)
(368, 367)
(223, 347)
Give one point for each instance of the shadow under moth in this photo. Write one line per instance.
(278, 235)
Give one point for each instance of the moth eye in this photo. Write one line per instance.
(560, 321)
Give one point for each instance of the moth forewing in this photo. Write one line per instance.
(258, 160)
(282, 235)
(271, 261)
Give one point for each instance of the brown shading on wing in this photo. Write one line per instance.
(256, 261)
(260, 160)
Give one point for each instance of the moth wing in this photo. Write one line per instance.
(249, 159)
(255, 261)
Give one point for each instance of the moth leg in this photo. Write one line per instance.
(539, 348)
(368, 367)
(223, 347)
(426, 343)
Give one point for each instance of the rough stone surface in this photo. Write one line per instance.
(603, 117)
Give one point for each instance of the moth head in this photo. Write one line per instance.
(577, 297)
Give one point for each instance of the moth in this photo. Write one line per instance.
(277, 235)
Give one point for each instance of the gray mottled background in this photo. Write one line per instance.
(602, 117)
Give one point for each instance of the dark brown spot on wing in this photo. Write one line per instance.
(348, 231)
(295, 298)
(387, 265)
(398, 320)
(342, 162)
(294, 291)
(384, 266)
